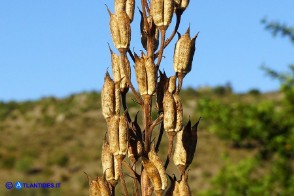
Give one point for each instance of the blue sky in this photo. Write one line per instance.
(59, 47)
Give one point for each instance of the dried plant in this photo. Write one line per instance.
(127, 144)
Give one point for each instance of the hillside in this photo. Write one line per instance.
(57, 140)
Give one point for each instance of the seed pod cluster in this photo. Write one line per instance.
(109, 165)
(120, 30)
(99, 187)
(127, 6)
(185, 146)
(108, 97)
(118, 135)
(162, 12)
(119, 75)
(183, 53)
(146, 74)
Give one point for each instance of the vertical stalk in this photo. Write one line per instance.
(147, 121)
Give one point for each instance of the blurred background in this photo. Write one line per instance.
(54, 56)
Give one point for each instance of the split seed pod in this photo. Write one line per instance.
(185, 146)
(109, 165)
(146, 75)
(160, 89)
(169, 109)
(181, 4)
(179, 115)
(154, 33)
(99, 187)
(120, 30)
(172, 84)
(162, 12)
(123, 135)
(183, 54)
(183, 186)
(135, 141)
(119, 75)
(113, 138)
(108, 97)
(154, 158)
(153, 174)
(125, 5)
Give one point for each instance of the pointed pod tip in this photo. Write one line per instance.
(188, 31)
(109, 12)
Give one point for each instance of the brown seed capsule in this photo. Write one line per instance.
(127, 6)
(108, 165)
(160, 89)
(172, 84)
(94, 188)
(103, 186)
(108, 97)
(181, 4)
(184, 53)
(113, 138)
(146, 75)
(185, 146)
(162, 12)
(169, 110)
(123, 135)
(154, 33)
(179, 115)
(153, 174)
(154, 158)
(120, 30)
(173, 189)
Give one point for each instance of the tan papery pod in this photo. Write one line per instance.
(103, 186)
(181, 4)
(145, 180)
(119, 75)
(162, 12)
(160, 89)
(154, 32)
(94, 188)
(153, 174)
(141, 75)
(180, 154)
(113, 134)
(184, 53)
(179, 115)
(123, 135)
(172, 84)
(154, 158)
(108, 97)
(183, 186)
(108, 165)
(127, 6)
(169, 110)
(120, 30)
(173, 189)
(151, 75)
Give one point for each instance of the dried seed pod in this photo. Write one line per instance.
(153, 174)
(94, 188)
(181, 4)
(162, 12)
(119, 75)
(183, 186)
(146, 75)
(148, 189)
(169, 110)
(120, 30)
(184, 52)
(151, 75)
(179, 109)
(185, 146)
(154, 158)
(127, 6)
(108, 97)
(108, 165)
(113, 134)
(123, 135)
(103, 186)
(172, 84)
(153, 32)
